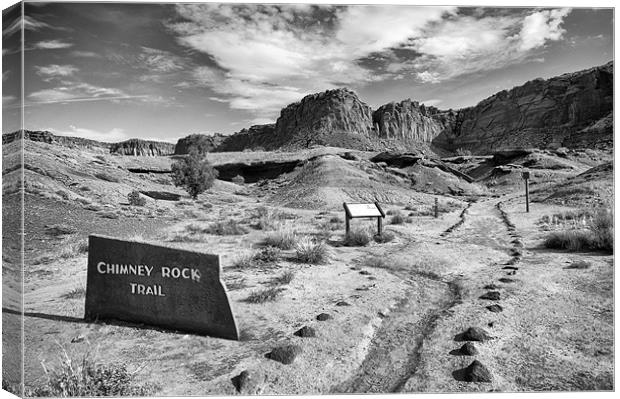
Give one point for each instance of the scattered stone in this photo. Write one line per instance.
(512, 273)
(323, 317)
(477, 372)
(490, 324)
(78, 339)
(580, 264)
(248, 383)
(512, 261)
(491, 295)
(495, 308)
(474, 334)
(491, 287)
(510, 268)
(305, 332)
(468, 349)
(343, 303)
(364, 272)
(371, 278)
(507, 280)
(284, 354)
(515, 252)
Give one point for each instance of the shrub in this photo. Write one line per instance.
(265, 295)
(309, 251)
(397, 218)
(60, 230)
(385, 236)
(379, 262)
(85, 378)
(580, 264)
(244, 261)
(602, 227)
(194, 174)
(238, 179)
(76, 293)
(572, 240)
(228, 227)
(267, 254)
(135, 199)
(599, 235)
(335, 219)
(284, 238)
(357, 238)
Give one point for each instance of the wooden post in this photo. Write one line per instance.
(379, 225)
(347, 226)
(436, 208)
(527, 196)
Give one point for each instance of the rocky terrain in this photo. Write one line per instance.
(138, 147)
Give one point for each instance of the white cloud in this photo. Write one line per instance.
(433, 102)
(77, 92)
(85, 54)
(159, 60)
(542, 26)
(270, 56)
(56, 70)
(111, 136)
(51, 45)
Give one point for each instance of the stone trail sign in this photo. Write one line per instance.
(160, 286)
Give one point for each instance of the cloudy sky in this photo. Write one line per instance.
(114, 71)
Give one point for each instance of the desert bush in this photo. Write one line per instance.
(229, 227)
(284, 278)
(385, 236)
(309, 251)
(580, 264)
(602, 227)
(244, 261)
(283, 238)
(194, 174)
(267, 254)
(378, 262)
(397, 218)
(76, 293)
(238, 179)
(335, 219)
(572, 240)
(85, 378)
(135, 198)
(107, 177)
(57, 230)
(265, 295)
(357, 238)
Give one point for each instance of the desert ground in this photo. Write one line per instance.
(396, 311)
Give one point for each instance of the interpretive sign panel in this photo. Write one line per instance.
(160, 286)
(363, 210)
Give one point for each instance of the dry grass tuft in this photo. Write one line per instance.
(283, 238)
(265, 295)
(309, 251)
(385, 236)
(76, 293)
(357, 238)
(599, 235)
(284, 279)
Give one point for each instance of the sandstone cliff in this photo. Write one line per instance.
(201, 142)
(137, 147)
(541, 113)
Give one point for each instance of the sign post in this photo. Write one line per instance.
(352, 211)
(167, 287)
(526, 177)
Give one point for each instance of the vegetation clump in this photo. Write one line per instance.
(599, 235)
(283, 238)
(194, 173)
(397, 218)
(385, 236)
(136, 199)
(357, 238)
(309, 251)
(265, 295)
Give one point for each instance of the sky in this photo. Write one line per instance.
(113, 71)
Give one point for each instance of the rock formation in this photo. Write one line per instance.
(139, 147)
(411, 122)
(201, 142)
(566, 110)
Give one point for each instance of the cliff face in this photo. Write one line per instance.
(201, 142)
(138, 147)
(257, 137)
(409, 121)
(541, 113)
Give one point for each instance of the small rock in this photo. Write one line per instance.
(364, 272)
(491, 287)
(371, 278)
(495, 308)
(507, 280)
(490, 324)
(342, 303)
(468, 349)
(78, 339)
(248, 383)
(491, 295)
(512, 273)
(323, 317)
(475, 334)
(305, 332)
(510, 268)
(477, 372)
(284, 354)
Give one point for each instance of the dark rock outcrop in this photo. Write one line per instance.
(411, 121)
(137, 147)
(568, 110)
(200, 142)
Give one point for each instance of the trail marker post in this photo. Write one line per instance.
(526, 177)
(436, 208)
(353, 211)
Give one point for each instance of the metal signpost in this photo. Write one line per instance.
(353, 211)
(526, 177)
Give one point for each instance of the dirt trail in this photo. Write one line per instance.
(395, 351)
